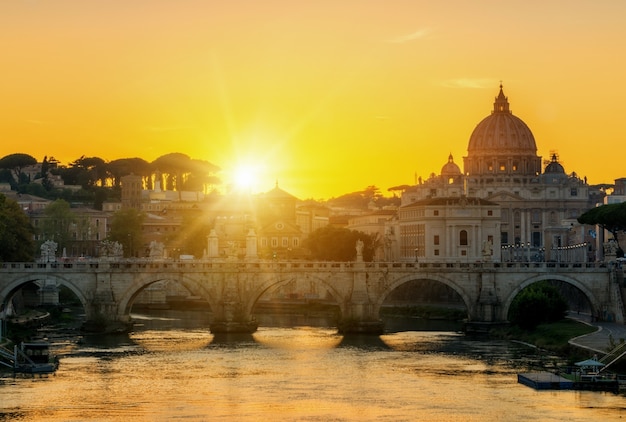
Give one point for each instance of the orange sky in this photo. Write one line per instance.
(325, 96)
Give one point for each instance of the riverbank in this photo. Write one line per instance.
(575, 338)
(550, 336)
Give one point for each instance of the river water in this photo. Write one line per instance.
(292, 369)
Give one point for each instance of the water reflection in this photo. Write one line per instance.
(298, 338)
(291, 373)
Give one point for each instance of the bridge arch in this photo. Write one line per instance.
(416, 277)
(12, 287)
(506, 305)
(276, 280)
(140, 283)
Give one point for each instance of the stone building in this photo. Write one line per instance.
(538, 208)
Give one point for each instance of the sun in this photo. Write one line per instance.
(245, 177)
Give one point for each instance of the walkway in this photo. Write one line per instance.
(600, 340)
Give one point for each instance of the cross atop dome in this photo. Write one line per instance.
(501, 105)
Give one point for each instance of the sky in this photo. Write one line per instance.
(324, 97)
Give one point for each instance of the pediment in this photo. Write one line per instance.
(503, 195)
(280, 227)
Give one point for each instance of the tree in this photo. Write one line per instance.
(16, 163)
(16, 233)
(364, 199)
(536, 304)
(191, 238)
(85, 171)
(59, 219)
(339, 244)
(178, 170)
(125, 166)
(611, 217)
(126, 229)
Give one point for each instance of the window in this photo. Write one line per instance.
(574, 192)
(536, 237)
(436, 252)
(295, 242)
(274, 242)
(436, 239)
(536, 216)
(489, 213)
(463, 252)
(463, 238)
(285, 242)
(436, 212)
(264, 242)
(552, 217)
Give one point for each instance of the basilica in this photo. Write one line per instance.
(505, 205)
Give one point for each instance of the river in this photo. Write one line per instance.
(292, 369)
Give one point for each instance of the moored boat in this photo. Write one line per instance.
(34, 358)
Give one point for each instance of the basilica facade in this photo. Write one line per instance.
(505, 205)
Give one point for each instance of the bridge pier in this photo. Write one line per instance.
(103, 316)
(360, 315)
(231, 318)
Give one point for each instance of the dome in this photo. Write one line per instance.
(502, 144)
(450, 168)
(554, 167)
(502, 133)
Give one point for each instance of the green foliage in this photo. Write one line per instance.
(16, 233)
(552, 336)
(537, 304)
(126, 229)
(125, 166)
(15, 163)
(180, 172)
(363, 199)
(58, 221)
(191, 238)
(339, 244)
(611, 217)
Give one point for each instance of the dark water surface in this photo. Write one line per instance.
(292, 369)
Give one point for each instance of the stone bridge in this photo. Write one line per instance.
(107, 289)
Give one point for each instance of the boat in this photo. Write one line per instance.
(30, 358)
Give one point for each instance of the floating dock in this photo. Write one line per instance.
(545, 381)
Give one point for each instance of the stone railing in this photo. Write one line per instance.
(147, 265)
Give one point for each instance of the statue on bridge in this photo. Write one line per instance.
(48, 251)
(157, 250)
(112, 250)
(359, 250)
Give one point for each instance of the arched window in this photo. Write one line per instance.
(463, 238)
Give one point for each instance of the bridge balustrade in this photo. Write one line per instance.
(142, 265)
